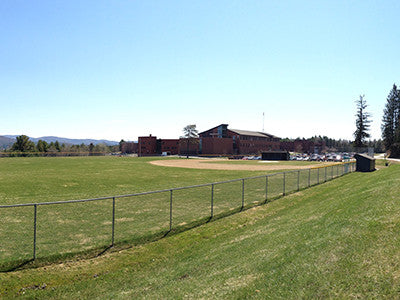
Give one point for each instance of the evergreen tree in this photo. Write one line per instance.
(52, 147)
(391, 122)
(91, 148)
(23, 144)
(57, 146)
(42, 146)
(121, 145)
(362, 123)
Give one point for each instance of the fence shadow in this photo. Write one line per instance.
(15, 265)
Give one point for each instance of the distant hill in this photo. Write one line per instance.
(6, 142)
(10, 139)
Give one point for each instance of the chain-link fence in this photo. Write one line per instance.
(59, 229)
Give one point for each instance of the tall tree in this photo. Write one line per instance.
(91, 148)
(391, 122)
(121, 145)
(42, 146)
(57, 146)
(52, 147)
(190, 134)
(23, 144)
(362, 123)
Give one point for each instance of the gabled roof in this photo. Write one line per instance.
(245, 132)
(213, 128)
(252, 133)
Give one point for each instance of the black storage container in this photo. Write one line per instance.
(364, 163)
(275, 155)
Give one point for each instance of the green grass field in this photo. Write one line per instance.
(335, 240)
(24, 180)
(85, 229)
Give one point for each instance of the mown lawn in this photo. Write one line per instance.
(340, 239)
(41, 179)
(85, 229)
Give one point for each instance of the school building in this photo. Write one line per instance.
(222, 140)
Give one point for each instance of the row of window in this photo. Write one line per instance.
(253, 145)
(253, 138)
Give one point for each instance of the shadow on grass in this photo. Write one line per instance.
(122, 244)
(15, 265)
(130, 243)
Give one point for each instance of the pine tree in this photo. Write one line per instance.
(362, 123)
(23, 144)
(191, 136)
(42, 146)
(391, 122)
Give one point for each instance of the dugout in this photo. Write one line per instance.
(364, 163)
(275, 155)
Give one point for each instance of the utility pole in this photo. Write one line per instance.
(263, 121)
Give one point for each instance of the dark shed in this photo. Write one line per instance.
(364, 163)
(275, 155)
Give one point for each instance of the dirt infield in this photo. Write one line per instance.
(205, 164)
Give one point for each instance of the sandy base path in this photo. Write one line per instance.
(205, 164)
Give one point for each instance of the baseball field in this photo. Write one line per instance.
(335, 240)
(53, 232)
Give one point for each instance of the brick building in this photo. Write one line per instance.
(147, 145)
(221, 140)
(169, 146)
(150, 145)
(129, 147)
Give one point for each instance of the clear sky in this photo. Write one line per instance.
(122, 69)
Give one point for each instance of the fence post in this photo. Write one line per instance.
(34, 230)
(170, 210)
(331, 172)
(242, 193)
(113, 222)
(298, 180)
(284, 182)
(309, 177)
(325, 174)
(266, 188)
(318, 176)
(212, 201)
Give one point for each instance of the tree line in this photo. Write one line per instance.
(390, 126)
(391, 123)
(23, 146)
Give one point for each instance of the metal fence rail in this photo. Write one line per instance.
(63, 228)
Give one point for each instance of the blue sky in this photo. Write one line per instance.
(122, 69)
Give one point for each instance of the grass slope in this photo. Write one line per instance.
(336, 240)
